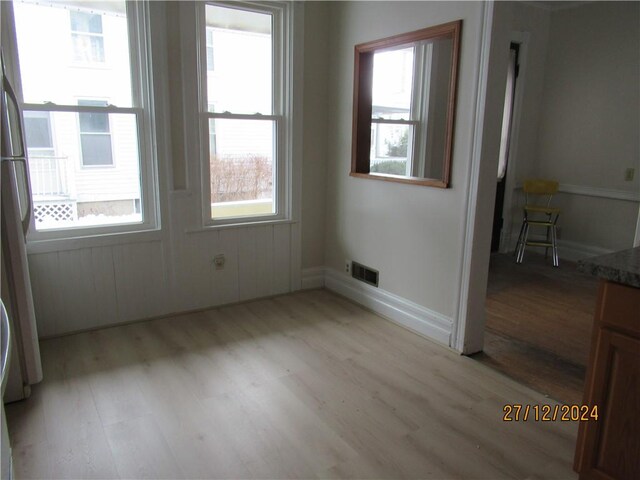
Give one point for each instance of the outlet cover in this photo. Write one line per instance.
(629, 173)
(218, 261)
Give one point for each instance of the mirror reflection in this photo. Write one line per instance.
(408, 124)
(409, 107)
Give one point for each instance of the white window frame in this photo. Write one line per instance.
(138, 18)
(282, 14)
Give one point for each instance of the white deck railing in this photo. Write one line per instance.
(49, 176)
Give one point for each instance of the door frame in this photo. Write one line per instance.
(468, 332)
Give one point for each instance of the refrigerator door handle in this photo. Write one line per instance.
(6, 344)
(16, 142)
(26, 221)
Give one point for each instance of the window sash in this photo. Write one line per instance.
(141, 98)
(93, 50)
(280, 52)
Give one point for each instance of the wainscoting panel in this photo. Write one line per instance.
(46, 286)
(68, 295)
(281, 281)
(85, 288)
(141, 286)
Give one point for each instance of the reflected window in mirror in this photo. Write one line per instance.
(404, 102)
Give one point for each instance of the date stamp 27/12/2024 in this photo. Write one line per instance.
(549, 413)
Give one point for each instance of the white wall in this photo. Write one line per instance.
(412, 234)
(86, 283)
(590, 119)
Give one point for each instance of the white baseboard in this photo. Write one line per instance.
(588, 191)
(567, 250)
(574, 251)
(393, 307)
(312, 278)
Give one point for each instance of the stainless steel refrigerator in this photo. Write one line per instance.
(25, 368)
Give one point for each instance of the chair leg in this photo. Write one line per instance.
(517, 251)
(554, 241)
(523, 244)
(548, 238)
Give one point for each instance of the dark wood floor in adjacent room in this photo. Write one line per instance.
(539, 322)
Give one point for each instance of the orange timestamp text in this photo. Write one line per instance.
(549, 413)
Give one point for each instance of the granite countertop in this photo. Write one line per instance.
(621, 267)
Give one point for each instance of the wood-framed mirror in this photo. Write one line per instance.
(404, 106)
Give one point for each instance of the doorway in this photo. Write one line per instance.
(528, 335)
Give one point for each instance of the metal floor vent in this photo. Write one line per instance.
(364, 274)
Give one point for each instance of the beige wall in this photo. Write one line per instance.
(412, 234)
(314, 172)
(590, 118)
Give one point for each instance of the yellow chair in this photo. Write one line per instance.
(539, 213)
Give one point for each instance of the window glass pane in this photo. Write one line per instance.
(96, 149)
(390, 148)
(86, 22)
(241, 44)
(37, 129)
(94, 122)
(392, 84)
(82, 50)
(242, 169)
(67, 194)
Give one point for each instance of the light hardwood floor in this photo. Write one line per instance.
(305, 385)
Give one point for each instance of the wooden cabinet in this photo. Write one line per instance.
(609, 448)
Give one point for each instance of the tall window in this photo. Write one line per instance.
(87, 37)
(245, 152)
(71, 188)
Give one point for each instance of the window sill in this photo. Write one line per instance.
(247, 224)
(386, 177)
(102, 240)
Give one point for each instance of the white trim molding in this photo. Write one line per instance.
(588, 191)
(574, 251)
(410, 315)
(568, 250)
(468, 330)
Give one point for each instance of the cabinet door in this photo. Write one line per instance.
(611, 446)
